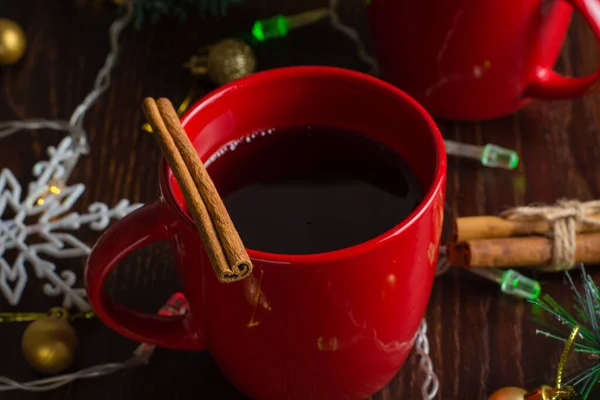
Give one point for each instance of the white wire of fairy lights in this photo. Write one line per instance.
(176, 305)
(431, 384)
(74, 126)
(430, 387)
(352, 34)
(141, 356)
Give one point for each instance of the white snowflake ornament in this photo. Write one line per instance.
(41, 228)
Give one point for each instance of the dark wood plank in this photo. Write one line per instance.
(480, 340)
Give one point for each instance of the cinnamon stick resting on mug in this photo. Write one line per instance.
(221, 240)
(488, 227)
(518, 251)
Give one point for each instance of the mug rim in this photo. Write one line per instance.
(346, 252)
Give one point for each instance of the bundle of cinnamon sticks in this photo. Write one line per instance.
(489, 241)
(221, 240)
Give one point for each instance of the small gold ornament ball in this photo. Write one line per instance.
(12, 42)
(49, 343)
(230, 59)
(509, 393)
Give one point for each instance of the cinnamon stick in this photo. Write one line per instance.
(518, 251)
(222, 242)
(487, 227)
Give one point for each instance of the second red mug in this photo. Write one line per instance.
(335, 325)
(478, 59)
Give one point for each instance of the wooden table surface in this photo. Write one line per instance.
(480, 339)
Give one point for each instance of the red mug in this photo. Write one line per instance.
(478, 59)
(297, 328)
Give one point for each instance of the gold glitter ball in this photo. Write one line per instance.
(230, 59)
(49, 343)
(12, 42)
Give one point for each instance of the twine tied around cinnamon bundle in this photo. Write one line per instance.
(563, 218)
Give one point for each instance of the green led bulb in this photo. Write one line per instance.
(519, 285)
(496, 156)
(511, 282)
(279, 26)
(270, 28)
(489, 155)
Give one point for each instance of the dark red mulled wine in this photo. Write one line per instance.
(312, 189)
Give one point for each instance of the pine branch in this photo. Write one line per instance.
(587, 310)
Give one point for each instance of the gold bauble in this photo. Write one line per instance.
(509, 393)
(49, 343)
(230, 59)
(12, 42)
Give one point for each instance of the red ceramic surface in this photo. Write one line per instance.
(336, 325)
(478, 59)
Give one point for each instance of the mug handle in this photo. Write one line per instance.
(549, 84)
(142, 227)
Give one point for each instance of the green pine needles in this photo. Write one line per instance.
(587, 316)
(154, 10)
